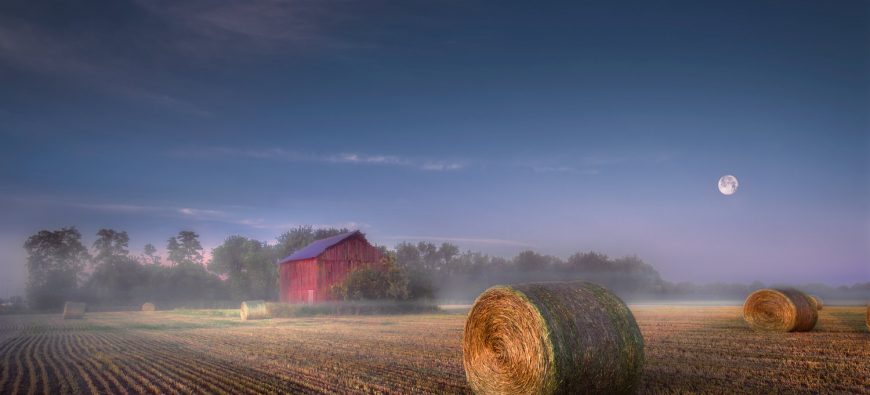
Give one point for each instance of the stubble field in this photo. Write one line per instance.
(688, 350)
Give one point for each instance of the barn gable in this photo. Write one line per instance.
(317, 247)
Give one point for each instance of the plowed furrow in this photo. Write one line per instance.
(19, 365)
(8, 360)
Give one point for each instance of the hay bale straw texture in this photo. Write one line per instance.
(73, 310)
(551, 338)
(149, 307)
(780, 310)
(254, 310)
(816, 302)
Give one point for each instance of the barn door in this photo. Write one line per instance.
(310, 297)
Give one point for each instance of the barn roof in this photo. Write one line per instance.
(317, 247)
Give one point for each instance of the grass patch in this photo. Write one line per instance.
(207, 313)
(350, 308)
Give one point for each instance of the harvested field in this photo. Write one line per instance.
(688, 349)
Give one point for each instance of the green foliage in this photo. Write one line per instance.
(386, 281)
(55, 259)
(118, 280)
(249, 266)
(398, 282)
(362, 284)
(530, 261)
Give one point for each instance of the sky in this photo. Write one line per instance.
(496, 126)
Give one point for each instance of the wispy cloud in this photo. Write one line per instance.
(592, 164)
(469, 240)
(247, 24)
(348, 158)
(441, 166)
(233, 217)
(259, 223)
(367, 159)
(170, 211)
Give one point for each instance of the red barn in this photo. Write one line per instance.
(307, 275)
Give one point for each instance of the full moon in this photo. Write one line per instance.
(728, 185)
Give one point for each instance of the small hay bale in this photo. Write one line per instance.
(780, 310)
(73, 310)
(149, 307)
(254, 310)
(816, 302)
(548, 338)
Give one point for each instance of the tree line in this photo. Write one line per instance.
(60, 267)
(461, 276)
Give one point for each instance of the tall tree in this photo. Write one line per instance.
(110, 246)
(116, 274)
(55, 259)
(229, 259)
(249, 266)
(185, 248)
(151, 254)
(448, 253)
(173, 249)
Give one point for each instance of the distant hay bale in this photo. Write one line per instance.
(254, 310)
(780, 310)
(816, 302)
(149, 307)
(73, 310)
(547, 338)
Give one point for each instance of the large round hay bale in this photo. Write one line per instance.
(73, 310)
(780, 310)
(816, 302)
(254, 310)
(551, 338)
(149, 307)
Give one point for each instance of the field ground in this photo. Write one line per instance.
(688, 349)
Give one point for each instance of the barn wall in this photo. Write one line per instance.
(339, 260)
(297, 278)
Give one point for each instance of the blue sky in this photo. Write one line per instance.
(498, 126)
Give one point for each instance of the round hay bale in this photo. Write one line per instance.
(816, 302)
(780, 310)
(73, 310)
(548, 338)
(254, 310)
(149, 307)
(867, 318)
